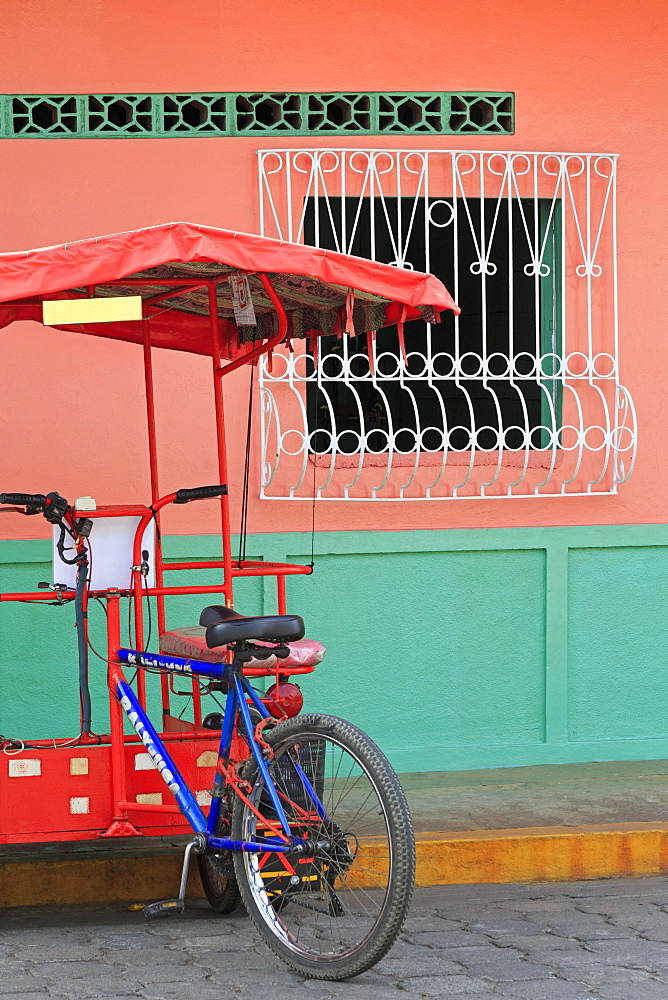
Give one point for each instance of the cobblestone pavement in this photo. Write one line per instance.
(605, 939)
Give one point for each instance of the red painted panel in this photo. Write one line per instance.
(39, 806)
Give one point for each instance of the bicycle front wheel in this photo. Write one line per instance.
(334, 912)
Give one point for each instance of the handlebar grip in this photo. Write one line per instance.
(200, 493)
(23, 499)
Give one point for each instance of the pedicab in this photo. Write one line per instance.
(232, 297)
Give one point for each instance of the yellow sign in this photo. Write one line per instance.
(115, 309)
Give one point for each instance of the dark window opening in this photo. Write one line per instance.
(485, 410)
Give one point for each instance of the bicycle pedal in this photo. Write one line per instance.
(165, 908)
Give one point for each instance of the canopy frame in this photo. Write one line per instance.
(21, 298)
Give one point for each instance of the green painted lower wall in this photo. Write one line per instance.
(453, 649)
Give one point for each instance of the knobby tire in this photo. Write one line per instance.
(334, 913)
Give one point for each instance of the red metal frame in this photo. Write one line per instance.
(108, 780)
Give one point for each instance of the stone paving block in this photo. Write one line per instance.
(212, 942)
(233, 960)
(316, 990)
(25, 937)
(616, 905)
(406, 949)
(93, 996)
(17, 964)
(39, 996)
(149, 956)
(418, 965)
(84, 989)
(311, 989)
(650, 955)
(483, 953)
(633, 991)
(273, 973)
(382, 990)
(65, 952)
(546, 989)
(17, 984)
(176, 927)
(189, 991)
(73, 969)
(651, 885)
(449, 939)
(652, 929)
(128, 938)
(595, 975)
(506, 925)
(585, 929)
(430, 922)
(638, 915)
(541, 905)
(147, 974)
(369, 986)
(448, 986)
(508, 970)
(471, 911)
(538, 943)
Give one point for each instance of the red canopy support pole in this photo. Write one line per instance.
(155, 496)
(216, 352)
(221, 370)
(280, 582)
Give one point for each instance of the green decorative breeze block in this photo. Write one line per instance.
(120, 114)
(159, 115)
(43, 116)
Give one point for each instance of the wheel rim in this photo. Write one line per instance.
(323, 906)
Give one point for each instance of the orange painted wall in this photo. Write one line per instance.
(589, 75)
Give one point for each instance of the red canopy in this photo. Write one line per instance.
(314, 285)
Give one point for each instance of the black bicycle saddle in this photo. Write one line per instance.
(223, 625)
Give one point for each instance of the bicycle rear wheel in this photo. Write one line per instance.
(333, 913)
(216, 872)
(218, 881)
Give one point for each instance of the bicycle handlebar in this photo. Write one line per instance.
(24, 499)
(199, 493)
(54, 506)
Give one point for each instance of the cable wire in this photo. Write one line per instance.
(245, 489)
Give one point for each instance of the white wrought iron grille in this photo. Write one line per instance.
(520, 395)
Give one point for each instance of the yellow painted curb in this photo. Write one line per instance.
(533, 854)
(542, 854)
(99, 880)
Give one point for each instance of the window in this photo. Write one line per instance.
(520, 395)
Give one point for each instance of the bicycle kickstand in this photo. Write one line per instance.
(166, 907)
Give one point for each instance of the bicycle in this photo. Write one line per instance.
(307, 825)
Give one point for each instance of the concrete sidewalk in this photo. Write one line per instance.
(572, 941)
(552, 795)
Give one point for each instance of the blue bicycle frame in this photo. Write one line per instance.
(236, 704)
